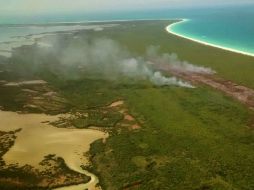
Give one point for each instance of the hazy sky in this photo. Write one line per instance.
(51, 6)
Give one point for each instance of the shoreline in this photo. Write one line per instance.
(169, 30)
(93, 21)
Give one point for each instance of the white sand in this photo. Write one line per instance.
(169, 30)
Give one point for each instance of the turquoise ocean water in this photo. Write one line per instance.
(230, 27)
(227, 28)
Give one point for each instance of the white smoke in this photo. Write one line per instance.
(160, 80)
(113, 61)
(185, 66)
(174, 63)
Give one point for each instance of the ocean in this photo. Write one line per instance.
(230, 27)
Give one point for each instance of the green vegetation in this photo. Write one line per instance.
(137, 36)
(98, 117)
(55, 174)
(190, 139)
(199, 142)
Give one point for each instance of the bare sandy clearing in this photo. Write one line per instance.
(23, 83)
(29, 91)
(135, 127)
(132, 123)
(128, 117)
(116, 104)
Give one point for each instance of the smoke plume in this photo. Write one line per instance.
(112, 61)
(174, 63)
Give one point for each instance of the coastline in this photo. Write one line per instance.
(94, 21)
(169, 30)
(19, 40)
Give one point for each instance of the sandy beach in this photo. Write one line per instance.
(169, 29)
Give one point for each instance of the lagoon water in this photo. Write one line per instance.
(13, 36)
(230, 27)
